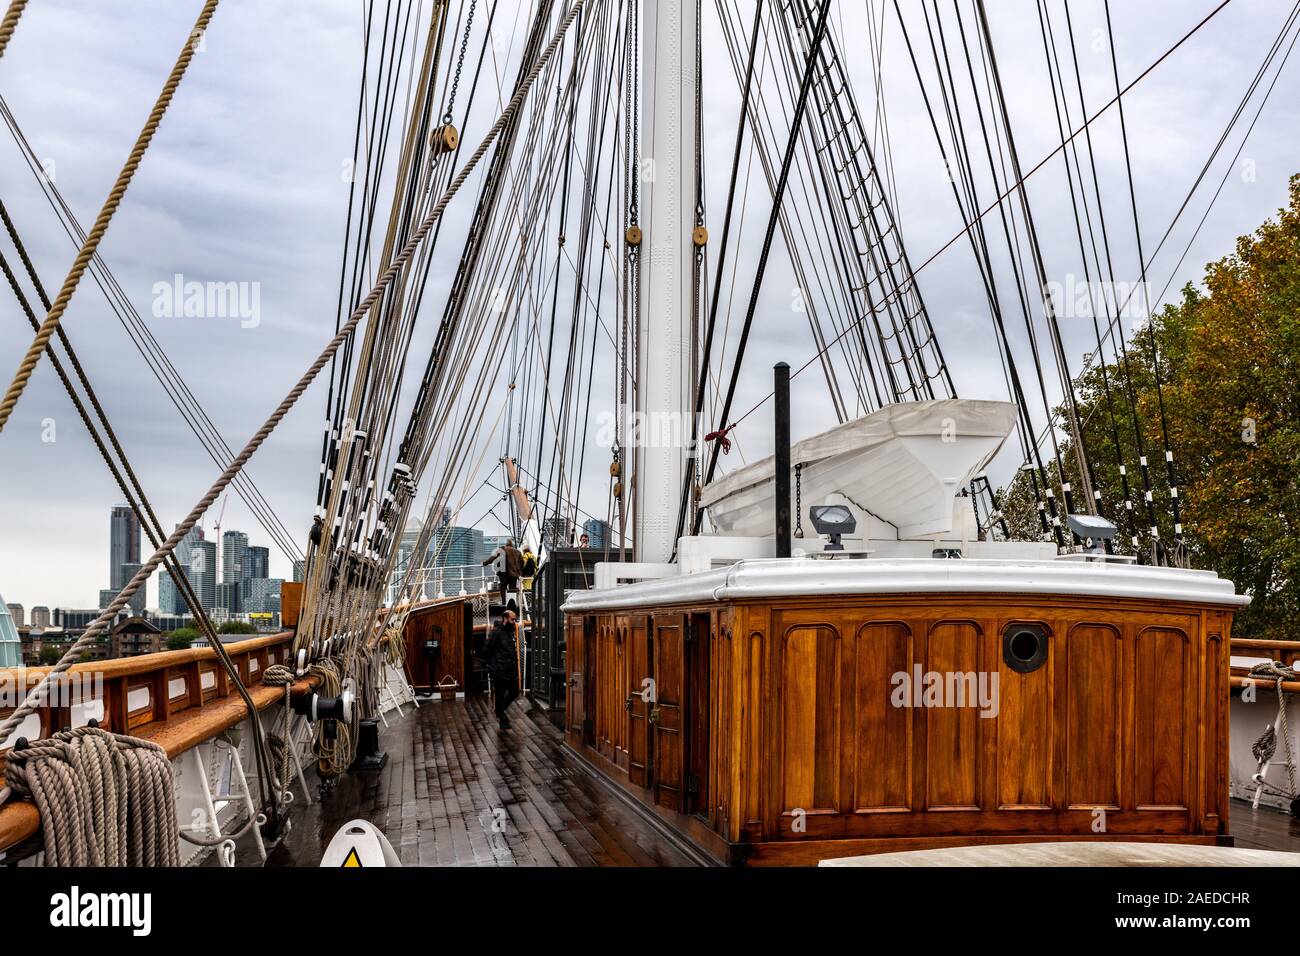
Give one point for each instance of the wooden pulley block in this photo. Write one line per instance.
(618, 489)
(634, 235)
(614, 468)
(444, 139)
(699, 235)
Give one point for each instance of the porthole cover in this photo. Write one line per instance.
(1024, 647)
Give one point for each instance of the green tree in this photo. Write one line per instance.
(1230, 368)
(236, 627)
(50, 654)
(181, 638)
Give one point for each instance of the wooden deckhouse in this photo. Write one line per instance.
(774, 732)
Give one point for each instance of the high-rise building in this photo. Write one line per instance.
(299, 571)
(557, 532)
(599, 533)
(129, 570)
(123, 544)
(16, 612)
(229, 596)
(40, 616)
(257, 562)
(262, 595)
(234, 546)
(203, 572)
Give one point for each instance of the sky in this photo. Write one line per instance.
(244, 182)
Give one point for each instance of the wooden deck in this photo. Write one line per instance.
(457, 791)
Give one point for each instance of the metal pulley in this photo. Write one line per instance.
(444, 139)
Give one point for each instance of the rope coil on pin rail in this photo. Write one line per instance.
(111, 204)
(38, 693)
(104, 799)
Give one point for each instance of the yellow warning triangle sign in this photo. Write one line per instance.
(352, 859)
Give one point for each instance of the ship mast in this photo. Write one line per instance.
(664, 329)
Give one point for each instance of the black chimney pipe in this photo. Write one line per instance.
(781, 391)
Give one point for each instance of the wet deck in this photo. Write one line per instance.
(457, 791)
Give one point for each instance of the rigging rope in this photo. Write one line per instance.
(105, 216)
(10, 22)
(38, 693)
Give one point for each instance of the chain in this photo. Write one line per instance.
(460, 62)
(798, 500)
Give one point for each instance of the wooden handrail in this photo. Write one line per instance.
(176, 723)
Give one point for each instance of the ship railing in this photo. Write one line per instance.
(438, 581)
(182, 700)
(1247, 652)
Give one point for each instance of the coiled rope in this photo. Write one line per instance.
(10, 22)
(105, 799)
(1265, 745)
(88, 248)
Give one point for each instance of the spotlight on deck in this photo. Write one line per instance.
(1093, 529)
(833, 520)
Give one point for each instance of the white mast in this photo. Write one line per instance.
(664, 377)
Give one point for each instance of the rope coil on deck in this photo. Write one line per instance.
(105, 799)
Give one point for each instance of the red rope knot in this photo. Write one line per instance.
(720, 436)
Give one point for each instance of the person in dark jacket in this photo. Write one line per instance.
(509, 564)
(500, 651)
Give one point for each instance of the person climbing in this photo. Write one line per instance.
(529, 569)
(508, 563)
(584, 541)
(501, 654)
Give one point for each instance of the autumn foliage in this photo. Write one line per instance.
(1230, 368)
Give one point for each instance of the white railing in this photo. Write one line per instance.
(439, 581)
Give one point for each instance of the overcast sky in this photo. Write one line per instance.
(242, 183)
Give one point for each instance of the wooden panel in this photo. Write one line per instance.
(1024, 734)
(1094, 704)
(640, 674)
(666, 712)
(882, 772)
(809, 719)
(1162, 681)
(952, 739)
(575, 672)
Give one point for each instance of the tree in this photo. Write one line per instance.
(181, 638)
(236, 627)
(1230, 370)
(50, 654)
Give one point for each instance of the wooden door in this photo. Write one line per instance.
(575, 658)
(666, 714)
(697, 712)
(640, 684)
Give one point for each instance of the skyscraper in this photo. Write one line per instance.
(16, 612)
(257, 562)
(203, 572)
(598, 532)
(40, 616)
(123, 544)
(170, 598)
(299, 571)
(136, 603)
(234, 547)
